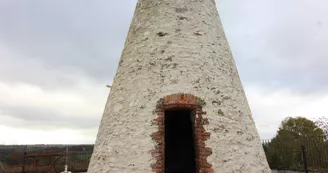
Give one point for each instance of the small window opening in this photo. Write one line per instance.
(179, 142)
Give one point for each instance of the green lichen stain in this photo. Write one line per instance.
(220, 112)
(214, 102)
(201, 102)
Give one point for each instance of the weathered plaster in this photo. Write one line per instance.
(176, 46)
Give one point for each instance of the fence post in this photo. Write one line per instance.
(24, 158)
(2, 169)
(304, 159)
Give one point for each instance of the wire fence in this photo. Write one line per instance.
(45, 158)
(299, 154)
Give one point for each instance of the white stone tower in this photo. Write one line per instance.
(177, 104)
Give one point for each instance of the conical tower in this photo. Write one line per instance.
(177, 103)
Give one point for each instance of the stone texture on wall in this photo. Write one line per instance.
(176, 46)
(286, 171)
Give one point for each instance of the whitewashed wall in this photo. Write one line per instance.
(176, 46)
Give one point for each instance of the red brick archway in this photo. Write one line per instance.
(185, 101)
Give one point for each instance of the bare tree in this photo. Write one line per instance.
(322, 123)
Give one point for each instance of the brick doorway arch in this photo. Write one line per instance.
(194, 105)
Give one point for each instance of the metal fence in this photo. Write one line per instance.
(299, 154)
(45, 158)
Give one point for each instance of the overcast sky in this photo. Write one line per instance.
(57, 56)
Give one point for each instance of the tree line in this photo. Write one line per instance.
(284, 151)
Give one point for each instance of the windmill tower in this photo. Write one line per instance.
(177, 103)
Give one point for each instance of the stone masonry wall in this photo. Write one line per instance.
(176, 46)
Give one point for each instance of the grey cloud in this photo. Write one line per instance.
(52, 44)
(43, 118)
(33, 72)
(81, 36)
(279, 44)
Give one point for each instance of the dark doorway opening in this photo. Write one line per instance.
(179, 142)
